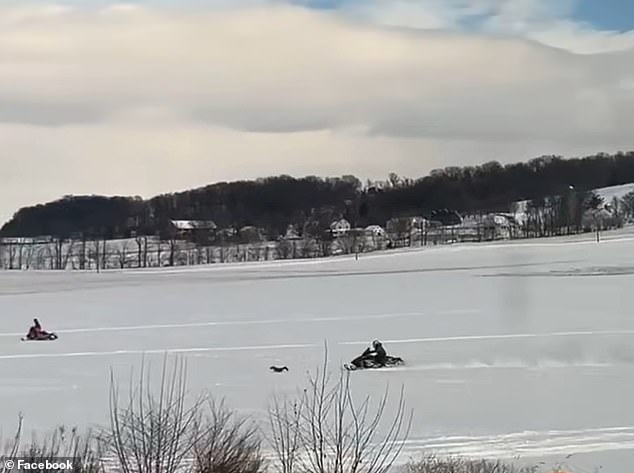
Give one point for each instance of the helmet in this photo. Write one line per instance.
(376, 343)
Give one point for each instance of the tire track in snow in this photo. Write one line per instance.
(159, 351)
(123, 328)
(528, 444)
(509, 336)
(313, 345)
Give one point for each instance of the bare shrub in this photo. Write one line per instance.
(231, 444)
(170, 432)
(432, 464)
(284, 419)
(325, 431)
(63, 444)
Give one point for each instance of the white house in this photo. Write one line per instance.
(339, 227)
(376, 231)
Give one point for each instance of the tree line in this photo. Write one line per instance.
(310, 203)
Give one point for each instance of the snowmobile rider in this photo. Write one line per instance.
(377, 353)
(35, 331)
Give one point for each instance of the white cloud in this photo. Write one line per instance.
(582, 38)
(453, 14)
(545, 21)
(139, 100)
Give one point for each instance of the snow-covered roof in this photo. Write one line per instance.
(375, 229)
(194, 224)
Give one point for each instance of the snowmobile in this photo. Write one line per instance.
(365, 361)
(36, 333)
(43, 336)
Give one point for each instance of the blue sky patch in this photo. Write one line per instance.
(607, 14)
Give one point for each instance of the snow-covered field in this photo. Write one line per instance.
(513, 349)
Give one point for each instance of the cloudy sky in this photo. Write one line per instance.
(149, 96)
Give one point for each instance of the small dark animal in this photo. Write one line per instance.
(278, 369)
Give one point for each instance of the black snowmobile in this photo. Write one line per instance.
(367, 361)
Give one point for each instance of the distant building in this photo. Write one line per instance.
(189, 225)
(374, 237)
(251, 234)
(193, 229)
(291, 233)
(339, 227)
(489, 226)
(376, 231)
(446, 217)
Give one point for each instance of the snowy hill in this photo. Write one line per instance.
(608, 193)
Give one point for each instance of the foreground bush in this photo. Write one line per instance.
(433, 464)
(63, 443)
(172, 432)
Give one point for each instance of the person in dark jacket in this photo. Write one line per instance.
(35, 331)
(380, 355)
(376, 354)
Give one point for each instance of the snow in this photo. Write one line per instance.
(512, 348)
(609, 193)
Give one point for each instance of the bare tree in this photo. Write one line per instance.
(285, 248)
(326, 431)
(99, 254)
(104, 253)
(58, 252)
(20, 251)
(627, 205)
(159, 253)
(141, 243)
(122, 254)
(174, 250)
(11, 254)
(394, 180)
(199, 255)
(352, 241)
(309, 247)
(95, 253)
(27, 256)
(41, 256)
(323, 242)
(68, 253)
(400, 230)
